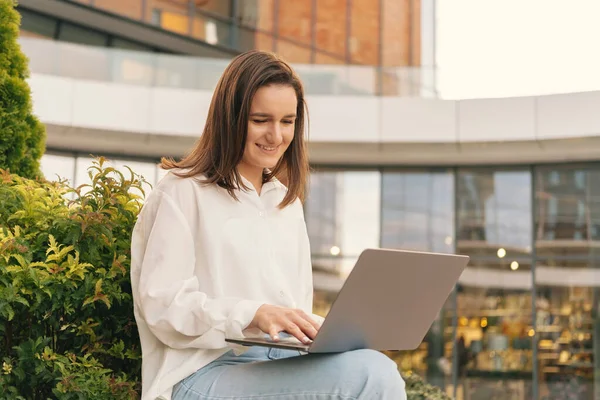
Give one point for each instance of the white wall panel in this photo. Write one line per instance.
(412, 119)
(52, 98)
(568, 115)
(178, 112)
(496, 119)
(336, 119)
(343, 119)
(111, 106)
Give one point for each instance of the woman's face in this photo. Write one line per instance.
(270, 126)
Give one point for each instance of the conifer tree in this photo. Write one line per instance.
(22, 136)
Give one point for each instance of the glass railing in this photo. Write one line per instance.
(175, 71)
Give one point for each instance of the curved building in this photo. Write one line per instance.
(512, 181)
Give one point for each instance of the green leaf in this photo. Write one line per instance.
(22, 301)
(9, 312)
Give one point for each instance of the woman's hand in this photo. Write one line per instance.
(274, 319)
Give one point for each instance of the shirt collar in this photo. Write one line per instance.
(274, 183)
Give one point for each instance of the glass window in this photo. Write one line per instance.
(77, 34)
(342, 217)
(567, 234)
(213, 31)
(494, 302)
(418, 214)
(36, 25)
(418, 211)
(58, 167)
(173, 21)
(249, 12)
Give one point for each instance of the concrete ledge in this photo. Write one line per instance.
(96, 141)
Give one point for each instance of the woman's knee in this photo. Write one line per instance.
(377, 374)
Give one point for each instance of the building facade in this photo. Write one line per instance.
(510, 182)
(382, 33)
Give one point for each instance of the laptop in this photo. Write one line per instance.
(388, 302)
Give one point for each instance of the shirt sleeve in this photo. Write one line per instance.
(176, 311)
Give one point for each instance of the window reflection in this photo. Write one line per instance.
(342, 212)
(567, 217)
(494, 303)
(58, 167)
(418, 214)
(418, 211)
(342, 218)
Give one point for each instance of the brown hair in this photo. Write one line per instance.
(221, 146)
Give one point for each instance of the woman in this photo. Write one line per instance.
(220, 250)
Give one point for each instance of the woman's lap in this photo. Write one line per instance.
(287, 375)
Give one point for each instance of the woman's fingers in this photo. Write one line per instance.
(274, 319)
(274, 332)
(305, 325)
(310, 319)
(298, 333)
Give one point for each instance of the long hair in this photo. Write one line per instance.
(221, 146)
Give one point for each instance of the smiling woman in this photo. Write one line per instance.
(255, 125)
(220, 250)
(270, 131)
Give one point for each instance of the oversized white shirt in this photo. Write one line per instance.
(202, 264)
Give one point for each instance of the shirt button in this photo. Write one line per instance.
(281, 293)
(261, 214)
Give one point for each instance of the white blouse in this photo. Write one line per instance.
(202, 264)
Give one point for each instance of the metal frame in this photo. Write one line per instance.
(455, 360)
(534, 339)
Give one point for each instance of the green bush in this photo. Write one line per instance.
(66, 312)
(22, 136)
(417, 389)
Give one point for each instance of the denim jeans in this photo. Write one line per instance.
(275, 374)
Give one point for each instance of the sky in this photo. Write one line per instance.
(502, 48)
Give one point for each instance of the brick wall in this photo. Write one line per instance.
(334, 42)
(400, 31)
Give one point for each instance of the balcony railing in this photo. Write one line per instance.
(164, 70)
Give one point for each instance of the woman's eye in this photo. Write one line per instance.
(259, 121)
(288, 122)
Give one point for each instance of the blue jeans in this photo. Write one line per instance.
(274, 374)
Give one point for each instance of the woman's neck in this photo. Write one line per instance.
(253, 175)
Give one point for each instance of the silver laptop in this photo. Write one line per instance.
(388, 302)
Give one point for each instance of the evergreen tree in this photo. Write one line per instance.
(22, 136)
